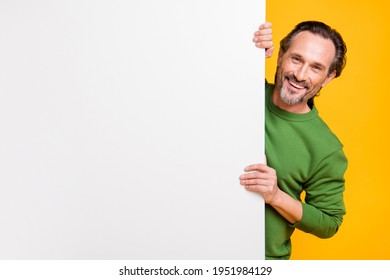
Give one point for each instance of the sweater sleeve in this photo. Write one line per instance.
(324, 208)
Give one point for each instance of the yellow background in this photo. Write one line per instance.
(356, 107)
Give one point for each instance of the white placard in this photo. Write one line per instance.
(125, 126)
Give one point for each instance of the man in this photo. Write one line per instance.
(302, 153)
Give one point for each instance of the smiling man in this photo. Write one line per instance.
(303, 155)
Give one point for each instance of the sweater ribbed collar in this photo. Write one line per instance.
(285, 114)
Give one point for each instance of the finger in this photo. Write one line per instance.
(254, 175)
(256, 167)
(265, 25)
(255, 182)
(264, 45)
(262, 37)
(263, 32)
(255, 188)
(268, 53)
(267, 31)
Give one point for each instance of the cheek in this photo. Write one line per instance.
(284, 71)
(316, 80)
(286, 66)
(319, 82)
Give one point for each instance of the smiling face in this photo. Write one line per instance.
(302, 71)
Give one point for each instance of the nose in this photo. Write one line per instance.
(301, 73)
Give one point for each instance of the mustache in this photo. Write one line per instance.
(292, 78)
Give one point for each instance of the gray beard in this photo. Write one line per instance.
(285, 95)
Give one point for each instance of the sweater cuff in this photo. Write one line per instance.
(308, 218)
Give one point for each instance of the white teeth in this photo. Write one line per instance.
(297, 86)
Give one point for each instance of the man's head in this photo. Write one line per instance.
(310, 56)
(325, 32)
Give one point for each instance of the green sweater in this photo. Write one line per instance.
(308, 158)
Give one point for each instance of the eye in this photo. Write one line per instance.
(316, 68)
(295, 59)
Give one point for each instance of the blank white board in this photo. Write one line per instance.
(125, 126)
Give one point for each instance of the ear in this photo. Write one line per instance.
(280, 54)
(329, 78)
